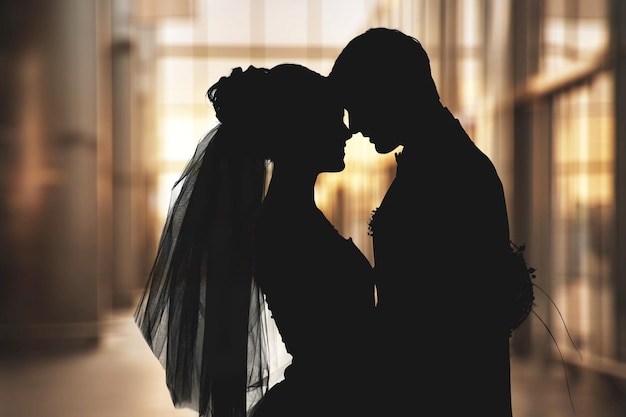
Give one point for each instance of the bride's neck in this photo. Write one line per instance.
(292, 185)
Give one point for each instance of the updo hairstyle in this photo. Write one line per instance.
(268, 109)
(236, 97)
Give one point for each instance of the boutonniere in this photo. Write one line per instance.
(521, 287)
(370, 223)
(523, 301)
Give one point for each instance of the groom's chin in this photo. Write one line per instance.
(383, 148)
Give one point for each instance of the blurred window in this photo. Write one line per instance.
(582, 214)
(194, 51)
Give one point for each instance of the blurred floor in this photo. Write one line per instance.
(551, 390)
(121, 378)
(118, 378)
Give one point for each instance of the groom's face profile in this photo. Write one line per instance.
(374, 121)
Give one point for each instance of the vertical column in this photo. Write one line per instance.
(618, 38)
(525, 58)
(104, 157)
(21, 151)
(448, 87)
(314, 24)
(50, 214)
(257, 31)
(539, 226)
(122, 158)
(129, 185)
(145, 150)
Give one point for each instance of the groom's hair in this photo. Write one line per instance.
(385, 58)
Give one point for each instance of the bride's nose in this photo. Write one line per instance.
(354, 124)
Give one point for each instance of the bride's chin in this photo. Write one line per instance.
(383, 149)
(337, 168)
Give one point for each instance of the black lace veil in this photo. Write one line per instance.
(202, 313)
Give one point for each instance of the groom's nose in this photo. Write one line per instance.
(353, 125)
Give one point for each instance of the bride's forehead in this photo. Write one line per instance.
(317, 101)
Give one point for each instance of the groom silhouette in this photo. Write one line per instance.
(440, 238)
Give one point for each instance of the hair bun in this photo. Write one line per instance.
(237, 97)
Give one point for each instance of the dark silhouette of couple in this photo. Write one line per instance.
(436, 343)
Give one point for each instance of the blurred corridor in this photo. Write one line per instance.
(103, 102)
(120, 378)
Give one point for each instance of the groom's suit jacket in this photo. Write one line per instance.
(440, 236)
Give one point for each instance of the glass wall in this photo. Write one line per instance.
(582, 211)
(573, 80)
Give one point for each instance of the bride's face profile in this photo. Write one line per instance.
(308, 121)
(329, 135)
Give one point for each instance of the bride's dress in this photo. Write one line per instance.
(319, 288)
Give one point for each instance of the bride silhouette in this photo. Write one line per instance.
(232, 247)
